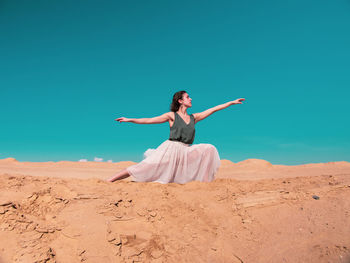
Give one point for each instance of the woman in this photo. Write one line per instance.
(176, 160)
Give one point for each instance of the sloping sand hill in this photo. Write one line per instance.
(253, 212)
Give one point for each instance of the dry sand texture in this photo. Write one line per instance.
(252, 212)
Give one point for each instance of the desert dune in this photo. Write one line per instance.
(253, 211)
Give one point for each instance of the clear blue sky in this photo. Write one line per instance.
(69, 68)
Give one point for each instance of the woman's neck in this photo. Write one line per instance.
(182, 110)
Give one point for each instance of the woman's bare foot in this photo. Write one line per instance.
(119, 176)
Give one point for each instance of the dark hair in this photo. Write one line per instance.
(175, 105)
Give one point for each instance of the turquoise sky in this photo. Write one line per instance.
(69, 68)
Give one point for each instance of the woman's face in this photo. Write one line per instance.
(186, 100)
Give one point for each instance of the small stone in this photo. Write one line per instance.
(315, 197)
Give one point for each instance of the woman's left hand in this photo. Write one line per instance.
(238, 101)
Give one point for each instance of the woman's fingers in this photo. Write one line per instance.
(238, 101)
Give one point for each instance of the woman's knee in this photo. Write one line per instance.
(210, 147)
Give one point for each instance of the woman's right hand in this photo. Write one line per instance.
(122, 119)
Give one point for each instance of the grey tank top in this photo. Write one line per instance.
(180, 131)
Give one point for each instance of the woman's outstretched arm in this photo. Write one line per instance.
(202, 115)
(159, 119)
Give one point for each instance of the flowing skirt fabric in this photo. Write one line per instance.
(176, 162)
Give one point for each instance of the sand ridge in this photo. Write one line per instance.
(250, 169)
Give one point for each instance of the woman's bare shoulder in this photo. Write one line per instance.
(170, 115)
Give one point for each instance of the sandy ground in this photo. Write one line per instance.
(253, 212)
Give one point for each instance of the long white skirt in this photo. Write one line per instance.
(176, 162)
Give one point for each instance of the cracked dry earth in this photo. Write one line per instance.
(46, 219)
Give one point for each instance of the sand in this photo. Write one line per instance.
(252, 212)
